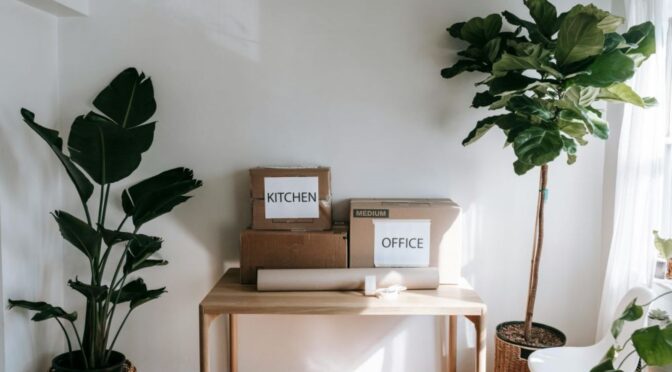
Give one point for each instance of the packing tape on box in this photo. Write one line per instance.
(345, 279)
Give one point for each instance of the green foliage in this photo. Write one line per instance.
(664, 246)
(548, 73)
(107, 148)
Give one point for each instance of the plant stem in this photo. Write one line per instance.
(107, 195)
(626, 358)
(79, 340)
(536, 252)
(67, 338)
(656, 298)
(114, 340)
(103, 262)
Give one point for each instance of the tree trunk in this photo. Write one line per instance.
(536, 251)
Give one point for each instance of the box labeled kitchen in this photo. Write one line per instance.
(291, 198)
(407, 233)
(291, 250)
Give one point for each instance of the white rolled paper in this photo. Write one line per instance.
(345, 279)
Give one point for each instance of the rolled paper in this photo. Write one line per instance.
(345, 279)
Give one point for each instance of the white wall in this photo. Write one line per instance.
(353, 85)
(30, 186)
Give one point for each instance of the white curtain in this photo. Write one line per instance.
(638, 204)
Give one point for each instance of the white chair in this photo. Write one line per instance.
(582, 359)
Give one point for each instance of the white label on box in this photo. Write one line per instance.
(291, 197)
(401, 243)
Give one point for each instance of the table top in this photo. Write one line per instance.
(230, 297)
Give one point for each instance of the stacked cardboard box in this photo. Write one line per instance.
(291, 222)
(407, 233)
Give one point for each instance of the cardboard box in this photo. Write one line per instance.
(291, 198)
(407, 233)
(291, 250)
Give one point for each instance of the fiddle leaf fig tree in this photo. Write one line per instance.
(103, 148)
(543, 79)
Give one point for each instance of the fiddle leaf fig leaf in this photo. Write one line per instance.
(456, 30)
(537, 145)
(545, 16)
(521, 167)
(569, 145)
(533, 57)
(621, 92)
(78, 233)
(664, 246)
(572, 125)
(654, 345)
(642, 37)
(607, 69)
(482, 99)
(479, 31)
(44, 310)
(482, 127)
(52, 138)
(128, 100)
(529, 106)
(462, 66)
(159, 194)
(532, 29)
(613, 41)
(579, 38)
(510, 82)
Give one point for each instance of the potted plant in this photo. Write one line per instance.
(544, 76)
(105, 148)
(652, 344)
(664, 247)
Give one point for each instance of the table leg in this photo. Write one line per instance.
(233, 343)
(452, 343)
(481, 340)
(204, 321)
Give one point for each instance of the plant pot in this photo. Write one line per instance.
(74, 363)
(511, 355)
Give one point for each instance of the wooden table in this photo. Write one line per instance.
(231, 298)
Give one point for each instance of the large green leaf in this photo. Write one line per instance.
(572, 125)
(664, 246)
(462, 66)
(529, 106)
(532, 29)
(91, 292)
(482, 127)
(157, 195)
(136, 293)
(521, 167)
(613, 41)
(579, 38)
(607, 69)
(510, 82)
(531, 57)
(44, 310)
(643, 39)
(654, 345)
(140, 249)
(482, 99)
(621, 92)
(78, 233)
(537, 145)
(479, 31)
(105, 150)
(545, 16)
(569, 145)
(82, 184)
(128, 100)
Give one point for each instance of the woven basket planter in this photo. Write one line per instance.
(511, 356)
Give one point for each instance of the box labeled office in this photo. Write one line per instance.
(407, 233)
(291, 198)
(291, 250)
